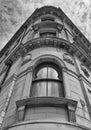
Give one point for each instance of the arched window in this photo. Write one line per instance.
(47, 81)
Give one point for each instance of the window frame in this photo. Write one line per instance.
(59, 80)
(32, 102)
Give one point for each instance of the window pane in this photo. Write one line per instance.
(52, 73)
(47, 82)
(39, 89)
(42, 73)
(53, 89)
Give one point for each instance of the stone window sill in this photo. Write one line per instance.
(45, 102)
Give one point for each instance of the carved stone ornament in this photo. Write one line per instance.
(45, 102)
(27, 58)
(68, 58)
(85, 71)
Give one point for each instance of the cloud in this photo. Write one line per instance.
(13, 13)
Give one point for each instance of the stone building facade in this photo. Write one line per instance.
(45, 75)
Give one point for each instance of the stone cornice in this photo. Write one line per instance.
(36, 43)
(51, 11)
(81, 54)
(46, 41)
(45, 101)
(75, 30)
(81, 44)
(61, 15)
(22, 49)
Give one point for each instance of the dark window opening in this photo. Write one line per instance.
(47, 19)
(42, 34)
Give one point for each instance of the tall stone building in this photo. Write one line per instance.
(45, 75)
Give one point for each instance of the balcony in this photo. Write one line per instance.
(48, 24)
(58, 102)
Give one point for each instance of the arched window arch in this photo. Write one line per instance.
(47, 81)
(47, 88)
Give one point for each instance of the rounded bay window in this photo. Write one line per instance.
(47, 81)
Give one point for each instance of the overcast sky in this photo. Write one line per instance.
(13, 14)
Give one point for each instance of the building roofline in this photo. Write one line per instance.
(17, 34)
(35, 16)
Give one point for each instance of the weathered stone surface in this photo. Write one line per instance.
(46, 41)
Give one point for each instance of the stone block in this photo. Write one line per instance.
(79, 111)
(9, 121)
(79, 104)
(87, 116)
(39, 116)
(45, 109)
(74, 95)
(82, 121)
(29, 111)
(56, 117)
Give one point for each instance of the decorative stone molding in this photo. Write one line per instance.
(27, 58)
(50, 10)
(47, 101)
(48, 41)
(83, 106)
(85, 71)
(20, 113)
(67, 58)
(71, 113)
(36, 43)
(27, 86)
(47, 24)
(82, 103)
(48, 17)
(67, 90)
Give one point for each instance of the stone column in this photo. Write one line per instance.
(66, 83)
(25, 94)
(27, 86)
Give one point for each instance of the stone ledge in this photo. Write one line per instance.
(46, 102)
(48, 122)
